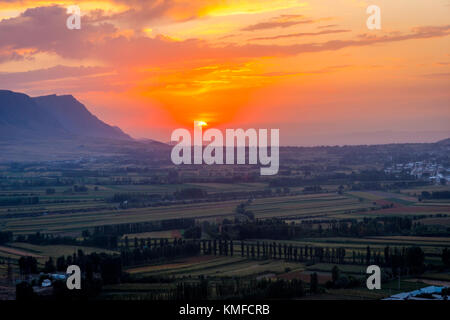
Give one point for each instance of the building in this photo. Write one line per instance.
(427, 293)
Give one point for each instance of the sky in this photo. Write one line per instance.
(309, 68)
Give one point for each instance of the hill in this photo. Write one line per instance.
(50, 117)
(445, 142)
(21, 118)
(61, 128)
(76, 119)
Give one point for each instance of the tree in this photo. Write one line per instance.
(335, 274)
(49, 266)
(10, 271)
(28, 265)
(226, 247)
(415, 258)
(61, 264)
(446, 257)
(368, 255)
(387, 255)
(314, 283)
(193, 233)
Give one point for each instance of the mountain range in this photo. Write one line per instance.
(50, 117)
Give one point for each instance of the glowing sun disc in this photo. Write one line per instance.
(201, 123)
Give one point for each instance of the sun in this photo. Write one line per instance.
(200, 123)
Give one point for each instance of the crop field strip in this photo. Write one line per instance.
(58, 208)
(80, 221)
(223, 267)
(105, 192)
(188, 266)
(108, 217)
(309, 213)
(263, 208)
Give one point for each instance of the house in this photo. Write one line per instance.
(46, 283)
(427, 293)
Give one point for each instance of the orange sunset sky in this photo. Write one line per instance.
(310, 68)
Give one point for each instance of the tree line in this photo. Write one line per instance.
(436, 195)
(277, 229)
(151, 250)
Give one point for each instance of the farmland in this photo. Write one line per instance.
(227, 231)
(95, 211)
(284, 207)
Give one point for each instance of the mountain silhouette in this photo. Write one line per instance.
(76, 119)
(49, 117)
(445, 142)
(21, 117)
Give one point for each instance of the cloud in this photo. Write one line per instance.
(7, 55)
(283, 21)
(328, 26)
(300, 34)
(54, 73)
(437, 75)
(138, 13)
(258, 50)
(181, 10)
(43, 30)
(64, 80)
